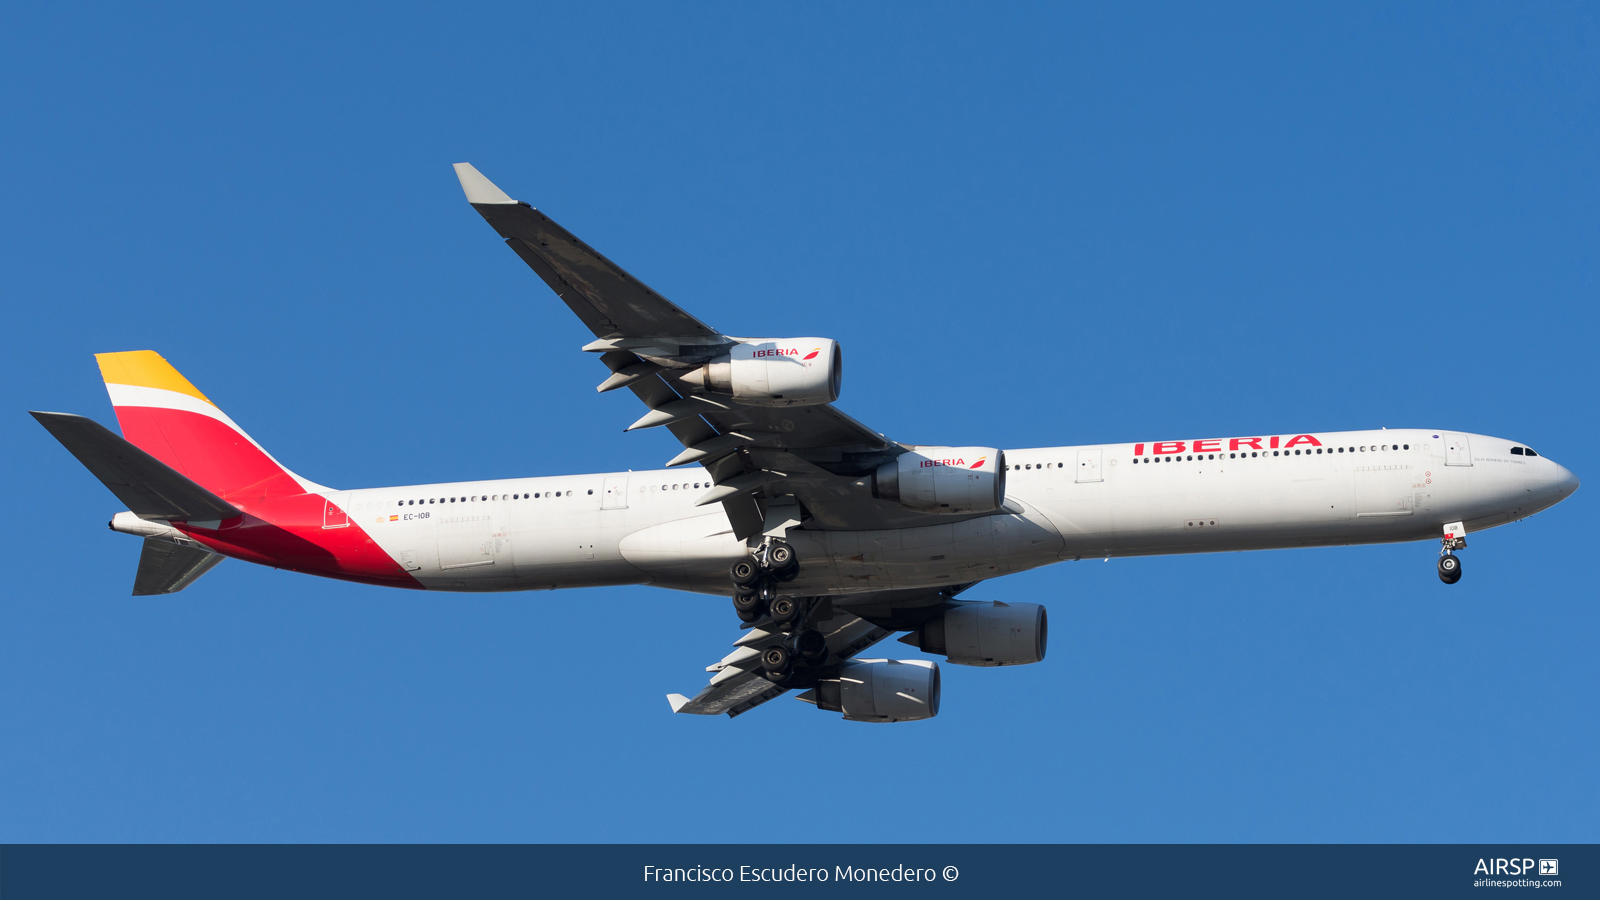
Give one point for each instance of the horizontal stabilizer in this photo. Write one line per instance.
(166, 568)
(148, 486)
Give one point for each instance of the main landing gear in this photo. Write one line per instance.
(1455, 538)
(755, 586)
(755, 582)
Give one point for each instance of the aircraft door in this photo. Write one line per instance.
(467, 539)
(1089, 465)
(616, 493)
(1383, 491)
(335, 510)
(1457, 451)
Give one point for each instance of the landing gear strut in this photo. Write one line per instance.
(1455, 538)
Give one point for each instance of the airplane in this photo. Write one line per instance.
(827, 536)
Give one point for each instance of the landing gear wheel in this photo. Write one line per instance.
(780, 556)
(748, 606)
(812, 646)
(783, 610)
(1449, 568)
(788, 573)
(744, 572)
(777, 663)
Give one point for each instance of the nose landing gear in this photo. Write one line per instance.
(1449, 568)
(1455, 538)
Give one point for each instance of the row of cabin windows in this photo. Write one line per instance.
(1039, 466)
(673, 487)
(1204, 456)
(476, 497)
(1523, 451)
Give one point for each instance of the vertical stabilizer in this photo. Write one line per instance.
(164, 415)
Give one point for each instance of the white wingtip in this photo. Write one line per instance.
(478, 188)
(677, 701)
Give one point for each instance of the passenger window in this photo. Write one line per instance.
(591, 491)
(1406, 447)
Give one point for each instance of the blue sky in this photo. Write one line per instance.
(1028, 226)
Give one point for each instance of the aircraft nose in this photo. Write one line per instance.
(1566, 482)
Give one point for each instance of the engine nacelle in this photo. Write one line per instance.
(944, 479)
(985, 634)
(774, 372)
(882, 690)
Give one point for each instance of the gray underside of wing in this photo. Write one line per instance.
(739, 687)
(166, 568)
(611, 302)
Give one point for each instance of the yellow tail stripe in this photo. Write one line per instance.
(145, 368)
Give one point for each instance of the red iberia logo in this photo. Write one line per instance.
(784, 351)
(979, 463)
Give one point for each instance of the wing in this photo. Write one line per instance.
(166, 568)
(816, 453)
(737, 685)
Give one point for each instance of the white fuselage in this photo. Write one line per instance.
(1061, 503)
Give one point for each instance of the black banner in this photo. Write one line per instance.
(760, 870)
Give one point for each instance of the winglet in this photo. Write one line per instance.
(478, 188)
(678, 701)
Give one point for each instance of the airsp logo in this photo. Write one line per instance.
(1516, 867)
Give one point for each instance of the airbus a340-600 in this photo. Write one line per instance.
(828, 536)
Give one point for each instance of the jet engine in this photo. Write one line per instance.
(944, 479)
(881, 690)
(985, 634)
(774, 372)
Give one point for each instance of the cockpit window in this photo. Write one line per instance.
(1529, 451)
(1523, 451)
(1516, 451)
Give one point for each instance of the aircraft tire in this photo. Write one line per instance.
(812, 645)
(748, 605)
(744, 572)
(1449, 569)
(777, 662)
(780, 556)
(783, 610)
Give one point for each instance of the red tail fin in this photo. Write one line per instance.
(164, 415)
